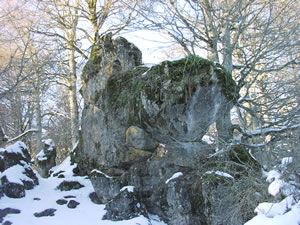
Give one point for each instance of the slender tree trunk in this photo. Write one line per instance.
(72, 96)
(38, 112)
(223, 124)
(70, 34)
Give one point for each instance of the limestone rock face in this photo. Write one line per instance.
(123, 207)
(46, 158)
(173, 103)
(143, 125)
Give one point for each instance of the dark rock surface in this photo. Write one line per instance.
(72, 204)
(46, 158)
(13, 190)
(123, 207)
(6, 211)
(46, 212)
(105, 186)
(69, 185)
(95, 199)
(62, 201)
(141, 126)
(69, 196)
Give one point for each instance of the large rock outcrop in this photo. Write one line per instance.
(143, 125)
(173, 103)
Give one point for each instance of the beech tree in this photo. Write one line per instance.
(251, 39)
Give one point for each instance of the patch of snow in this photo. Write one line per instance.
(85, 213)
(208, 139)
(288, 189)
(220, 173)
(161, 145)
(41, 156)
(128, 188)
(65, 166)
(49, 142)
(15, 174)
(286, 161)
(275, 187)
(272, 175)
(174, 176)
(100, 172)
(273, 209)
(15, 148)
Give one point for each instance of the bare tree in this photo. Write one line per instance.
(249, 38)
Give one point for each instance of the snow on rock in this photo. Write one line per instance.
(15, 174)
(16, 148)
(291, 217)
(286, 212)
(174, 176)
(49, 142)
(220, 173)
(100, 172)
(272, 175)
(41, 156)
(85, 213)
(208, 139)
(66, 168)
(272, 209)
(275, 187)
(128, 188)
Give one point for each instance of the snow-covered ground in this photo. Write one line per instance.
(284, 212)
(85, 213)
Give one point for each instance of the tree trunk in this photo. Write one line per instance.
(223, 124)
(3, 138)
(38, 112)
(72, 96)
(224, 127)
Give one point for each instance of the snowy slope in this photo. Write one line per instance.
(85, 213)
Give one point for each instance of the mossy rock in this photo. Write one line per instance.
(171, 81)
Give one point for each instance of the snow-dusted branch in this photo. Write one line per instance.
(270, 130)
(22, 135)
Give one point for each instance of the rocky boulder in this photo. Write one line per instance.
(69, 185)
(124, 206)
(17, 174)
(143, 127)
(46, 158)
(106, 187)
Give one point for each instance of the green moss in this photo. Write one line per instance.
(92, 67)
(171, 81)
(228, 85)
